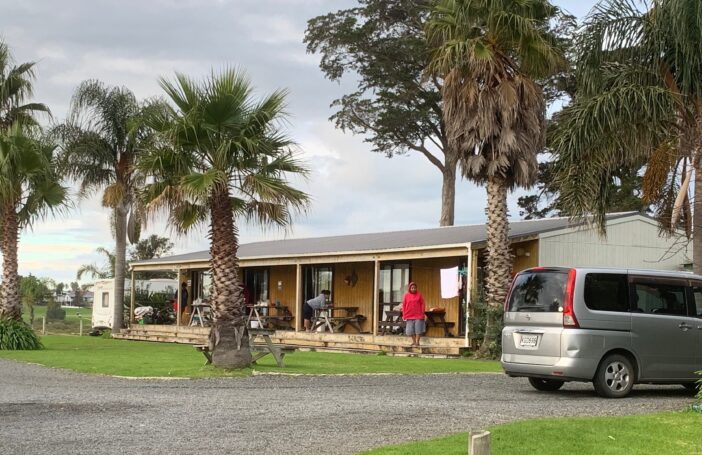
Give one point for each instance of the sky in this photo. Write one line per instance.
(134, 42)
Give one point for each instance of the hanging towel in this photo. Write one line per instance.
(449, 283)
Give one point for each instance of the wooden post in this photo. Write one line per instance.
(132, 300)
(80, 331)
(479, 443)
(376, 297)
(178, 299)
(469, 291)
(43, 325)
(298, 297)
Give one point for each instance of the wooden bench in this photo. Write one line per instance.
(258, 350)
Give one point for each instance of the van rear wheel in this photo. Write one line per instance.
(614, 377)
(545, 385)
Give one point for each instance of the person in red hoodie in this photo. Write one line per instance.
(413, 313)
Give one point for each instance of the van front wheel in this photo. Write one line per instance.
(615, 377)
(545, 385)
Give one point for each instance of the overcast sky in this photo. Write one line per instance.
(133, 42)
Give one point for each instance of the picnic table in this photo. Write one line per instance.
(258, 350)
(393, 322)
(336, 318)
(263, 315)
(437, 318)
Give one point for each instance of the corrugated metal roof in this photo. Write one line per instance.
(378, 241)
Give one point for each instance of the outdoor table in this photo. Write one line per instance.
(262, 315)
(199, 310)
(393, 322)
(436, 318)
(347, 315)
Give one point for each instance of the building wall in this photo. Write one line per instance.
(360, 295)
(525, 255)
(282, 286)
(427, 274)
(630, 243)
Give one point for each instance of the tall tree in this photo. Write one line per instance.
(30, 189)
(382, 45)
(101, 272)
(222, 155)
(489, 54)
(101, 139)
(639, 100)
(16, 86)
(151, 247)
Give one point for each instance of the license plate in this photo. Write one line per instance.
(528, 341)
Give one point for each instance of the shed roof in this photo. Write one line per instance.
(380, 241)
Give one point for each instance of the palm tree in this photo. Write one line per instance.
(222, 156)
(30, 189)
(15, 88)
(639, 101)
(101, 140)
(96, 271)
(489, 54)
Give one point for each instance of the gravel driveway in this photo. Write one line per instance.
(47, 411)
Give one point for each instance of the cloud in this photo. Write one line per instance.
(133, 42)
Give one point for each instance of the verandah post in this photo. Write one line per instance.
(132, 300)
(376, 296)
(298, 298)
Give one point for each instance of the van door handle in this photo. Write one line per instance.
(684, 326)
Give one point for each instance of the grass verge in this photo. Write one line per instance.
(669, 432)
(143, 359)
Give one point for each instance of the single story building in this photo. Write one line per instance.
(370, 273)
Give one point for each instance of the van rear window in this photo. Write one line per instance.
(538, 291)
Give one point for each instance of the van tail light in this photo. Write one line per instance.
(569, 319)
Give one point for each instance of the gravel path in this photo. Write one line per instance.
(47, 411)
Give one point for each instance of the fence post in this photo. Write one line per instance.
(80, 319)
(479, 443)
(43, 325)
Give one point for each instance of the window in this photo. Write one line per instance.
(317, 279)
(105, 299)
(256, 283)
(538, 291)
(660, 298)
(394, 279)
(697, 295)
(201, 284)
(606, 292)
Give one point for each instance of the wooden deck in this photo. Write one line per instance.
(318, 341)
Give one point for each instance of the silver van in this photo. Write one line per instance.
(612, 327)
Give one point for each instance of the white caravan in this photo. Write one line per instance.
(104, 297)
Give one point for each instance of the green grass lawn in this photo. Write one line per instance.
(669, 433)
(70, 325)
(143, 359)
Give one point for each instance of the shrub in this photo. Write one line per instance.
(54, 312)
(480, 313)
(17, 335)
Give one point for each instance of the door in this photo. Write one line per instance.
(534, 317)
(663, 335)
(696, 312)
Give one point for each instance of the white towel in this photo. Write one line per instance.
(449, 283)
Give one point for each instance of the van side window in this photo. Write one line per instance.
(105, 299)
(606, 292)
(697, 294)
(657, 298)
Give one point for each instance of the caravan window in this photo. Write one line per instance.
(105, 299)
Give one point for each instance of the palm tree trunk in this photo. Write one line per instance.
(448, 190)
(120, 257)
(697, 220)
(10, 303)
(229, 341)
(499, 256)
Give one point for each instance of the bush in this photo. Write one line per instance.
(17, 335)
(481, 310)
(54, 312)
